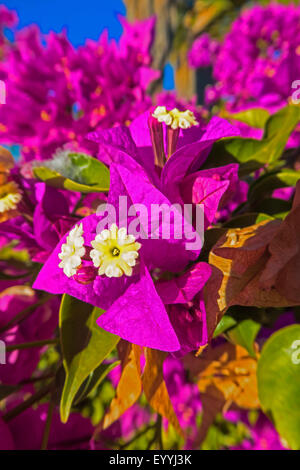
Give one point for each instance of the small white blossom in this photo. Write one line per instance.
(183, 119)
(175, 118)
(162, 115)
(72, 251)
(114, 252)
(9, 197)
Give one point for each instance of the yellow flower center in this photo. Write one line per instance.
(114, 252)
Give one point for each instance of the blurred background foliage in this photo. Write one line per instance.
(179, 23)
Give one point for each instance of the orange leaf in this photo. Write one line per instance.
(129, 387)
(225, 375)
(6, 160)
(155, 388)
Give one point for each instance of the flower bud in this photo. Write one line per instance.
(85, 274)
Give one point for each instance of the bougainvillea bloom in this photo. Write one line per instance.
(56, 94)
(203, 51)
(134, 309)
(170, 324)
(261, 70)
(171, 159)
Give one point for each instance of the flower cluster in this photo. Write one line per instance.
(258, 60)
(57, 94)
(203, 51)
(149, 254)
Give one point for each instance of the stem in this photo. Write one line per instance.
(47, 428)
(37, 379)
(11, 277)
(158, 435)
(78, 204)
(27, 403)
(33, 344)
(137, 436)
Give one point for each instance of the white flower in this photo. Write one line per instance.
(162, 115)
(9, 197)
(114, 252)
(72, 251)
(175, 118)
(183, 119)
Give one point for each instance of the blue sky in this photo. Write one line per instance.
(83, 19)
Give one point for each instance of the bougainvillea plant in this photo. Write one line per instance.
(149, 252)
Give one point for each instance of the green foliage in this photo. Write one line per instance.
(252, 154)
(10, 253)
(268, 182)
(245, 334)
(82, 173)
(278, 377)
(255, 117)
(224, 324)
(224, 434)
(84, 346)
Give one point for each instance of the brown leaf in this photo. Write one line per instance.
(282, 271)
(155, 388)
(225, 375)
(238, 260)
(130, 385)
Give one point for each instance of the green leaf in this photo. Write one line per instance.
(84, 346)
(277, 208)
(266, 184)
(246, 220)
(255, 117)
(278, 377)
(244, 334)
(81, 173)
(224, 324)
(252, 154)
(10, 252)
(94, 380)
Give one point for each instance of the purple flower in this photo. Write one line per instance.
(202, 51)
(75, 434)
(57, 94)
(263, 435)
(6, 439)
(185, 397)
(140, 308)
(261, 70)
(38, 326)
(134, 309)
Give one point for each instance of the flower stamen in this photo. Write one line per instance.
(175, 118)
